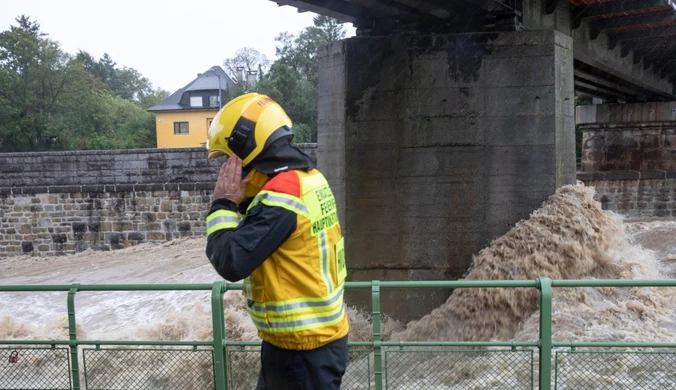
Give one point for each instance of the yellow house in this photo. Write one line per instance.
(183, 119)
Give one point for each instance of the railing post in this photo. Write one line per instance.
(220, 374)
(72, 335)
(545, 286)
(377, 353)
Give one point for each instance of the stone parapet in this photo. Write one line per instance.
(65, 202)
(101, 167)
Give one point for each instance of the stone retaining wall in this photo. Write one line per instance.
(620, 137)
(635, 194)
(58, 203)
(67, 222)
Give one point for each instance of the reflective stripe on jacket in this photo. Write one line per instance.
(289, 249)
(295, 298)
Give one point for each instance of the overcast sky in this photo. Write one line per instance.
(168, 41)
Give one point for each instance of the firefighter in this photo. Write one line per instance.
(273, 224)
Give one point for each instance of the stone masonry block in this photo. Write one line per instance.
(169, 225)
(27, 246)
(121, 226)
(155, 236)
(59, 238)
(136, 236)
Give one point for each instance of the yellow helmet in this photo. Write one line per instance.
(245, 126)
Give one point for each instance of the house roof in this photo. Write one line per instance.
(205, 81)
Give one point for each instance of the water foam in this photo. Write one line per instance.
(569, 237)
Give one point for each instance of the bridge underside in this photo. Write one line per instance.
(624, 50)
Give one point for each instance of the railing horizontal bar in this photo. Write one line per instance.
(145, 287)
(557, 344)
(358, 284)
(384, 284)
(243, 344)
(33, 342)
(154, 342)
(238, 286)
(415, 344)
(432, 284)
(459, 284)
(106, 342)
(592, 344)
(615, 283)
(105, 287)
(459, 344)
(34, 288)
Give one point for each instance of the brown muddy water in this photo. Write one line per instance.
(569, 237)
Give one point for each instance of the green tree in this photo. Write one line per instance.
(36, 80)
(124, 82)
(152, 97)
(332, 28)
(50, 100)
(292, 79)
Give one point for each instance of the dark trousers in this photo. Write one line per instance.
(318, 369)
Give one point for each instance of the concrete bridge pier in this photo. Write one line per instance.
(437, 144)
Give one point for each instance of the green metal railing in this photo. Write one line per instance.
(222, 364)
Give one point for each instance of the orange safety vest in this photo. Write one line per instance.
(295, 297)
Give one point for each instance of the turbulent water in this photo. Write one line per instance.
(569, 237)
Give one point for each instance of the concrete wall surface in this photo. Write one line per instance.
(435, 144)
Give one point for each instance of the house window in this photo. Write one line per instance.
(213, 101)
(195, 101)
(181, 128)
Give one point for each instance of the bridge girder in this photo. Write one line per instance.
(657, 43)
(651, 33)
(644, 28)
(629, 22)
(617, 8)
